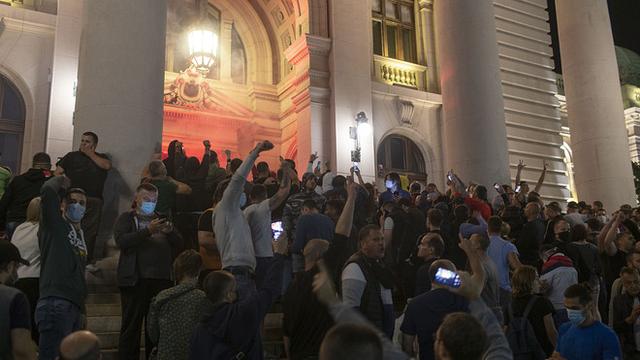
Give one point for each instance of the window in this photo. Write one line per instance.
(12, 116)
(394, 29)
(238, 58)
(399, 154)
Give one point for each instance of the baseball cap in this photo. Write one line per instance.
(9, 252)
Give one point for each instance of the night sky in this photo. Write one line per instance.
(625, 24)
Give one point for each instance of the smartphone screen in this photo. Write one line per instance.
(276, 229)
(518, 188)
(447, 278)
(449, 177)
(496, 186)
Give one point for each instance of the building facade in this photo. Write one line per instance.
(454, 84)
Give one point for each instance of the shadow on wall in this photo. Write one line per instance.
(115, 191)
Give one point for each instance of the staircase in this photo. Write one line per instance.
(104, 315)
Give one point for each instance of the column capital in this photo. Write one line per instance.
(425, 5)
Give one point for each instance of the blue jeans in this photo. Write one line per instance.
(9, 228)
(55, 318)
(245, 281)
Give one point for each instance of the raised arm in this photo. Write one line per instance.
(50, 200)
(606, 243)
(345, 222)
(541, 179)
(285, 187)
(521, 165)
(231, 196)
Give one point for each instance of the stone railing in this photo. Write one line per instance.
(398, 72)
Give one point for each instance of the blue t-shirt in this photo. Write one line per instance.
(425, 314)
(595, 342)
(498, 251)
(312, 226)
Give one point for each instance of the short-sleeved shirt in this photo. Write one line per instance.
(166, 195)
(210, 260)
(259, 218)
(593, 342)
(499, 250)
(541, 308)
(84, 173)
(425, 314)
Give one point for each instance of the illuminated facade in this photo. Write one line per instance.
(440, 88)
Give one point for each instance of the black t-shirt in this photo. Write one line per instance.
(611, 266)
(84, 173)
(305, 319)
(205, 222)
(541, 308)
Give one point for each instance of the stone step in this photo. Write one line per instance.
(112, 354)
(108, 298)
(103, 324)
(103, 310)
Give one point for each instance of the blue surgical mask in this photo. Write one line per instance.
(75, 212)
(243, 199)
(147, 207)
(576, 316)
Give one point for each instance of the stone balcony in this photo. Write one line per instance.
(398, 72)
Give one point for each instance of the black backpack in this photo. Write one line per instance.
(522, 339)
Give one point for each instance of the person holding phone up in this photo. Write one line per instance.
(148, 244)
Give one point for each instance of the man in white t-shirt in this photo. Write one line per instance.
(258, 215)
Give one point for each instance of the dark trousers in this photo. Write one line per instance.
(56, 318)
(90, 225)
(31, 288)
(135, 306)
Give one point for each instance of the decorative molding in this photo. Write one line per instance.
(406, 110)
(425, 5)
(26, 26)
(398, 72)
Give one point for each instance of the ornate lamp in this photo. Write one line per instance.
(203, 49)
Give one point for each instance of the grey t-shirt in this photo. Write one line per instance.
(259, 218)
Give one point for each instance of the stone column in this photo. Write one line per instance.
(64, 77)
(475, 136)
(428, 41)
(350, 62)
(120, 86)
(594, 103)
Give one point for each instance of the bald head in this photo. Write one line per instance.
(80, 345)
(313, 251)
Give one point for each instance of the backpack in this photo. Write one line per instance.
(522, 339)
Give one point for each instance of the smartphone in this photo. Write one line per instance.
(496, 186)
(447, 278)
(449, 177)
(277, 230)
(518, 188)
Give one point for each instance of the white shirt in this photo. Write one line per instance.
(259, 218)
(25, 238)
(559, 279)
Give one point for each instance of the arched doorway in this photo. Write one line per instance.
(12, 117)
(398, 153)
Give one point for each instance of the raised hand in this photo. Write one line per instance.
(313, 157)
(521, 165)
(207, 144)
(227, 153)
(323, 287)
(265, 145)
(544, 165)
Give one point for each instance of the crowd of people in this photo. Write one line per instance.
(411, 271)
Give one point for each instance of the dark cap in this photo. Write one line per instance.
(572, 205)
(9, 252)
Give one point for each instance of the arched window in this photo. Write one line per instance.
(399, 154)
(238, 58)
(394, 31)
(12, 116)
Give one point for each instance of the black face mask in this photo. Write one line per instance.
(565, 236)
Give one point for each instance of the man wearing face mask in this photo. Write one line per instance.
(15, 320)
(584, 337)
(63, 256)
(147, 245)
(394, 190)
(626, 313)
